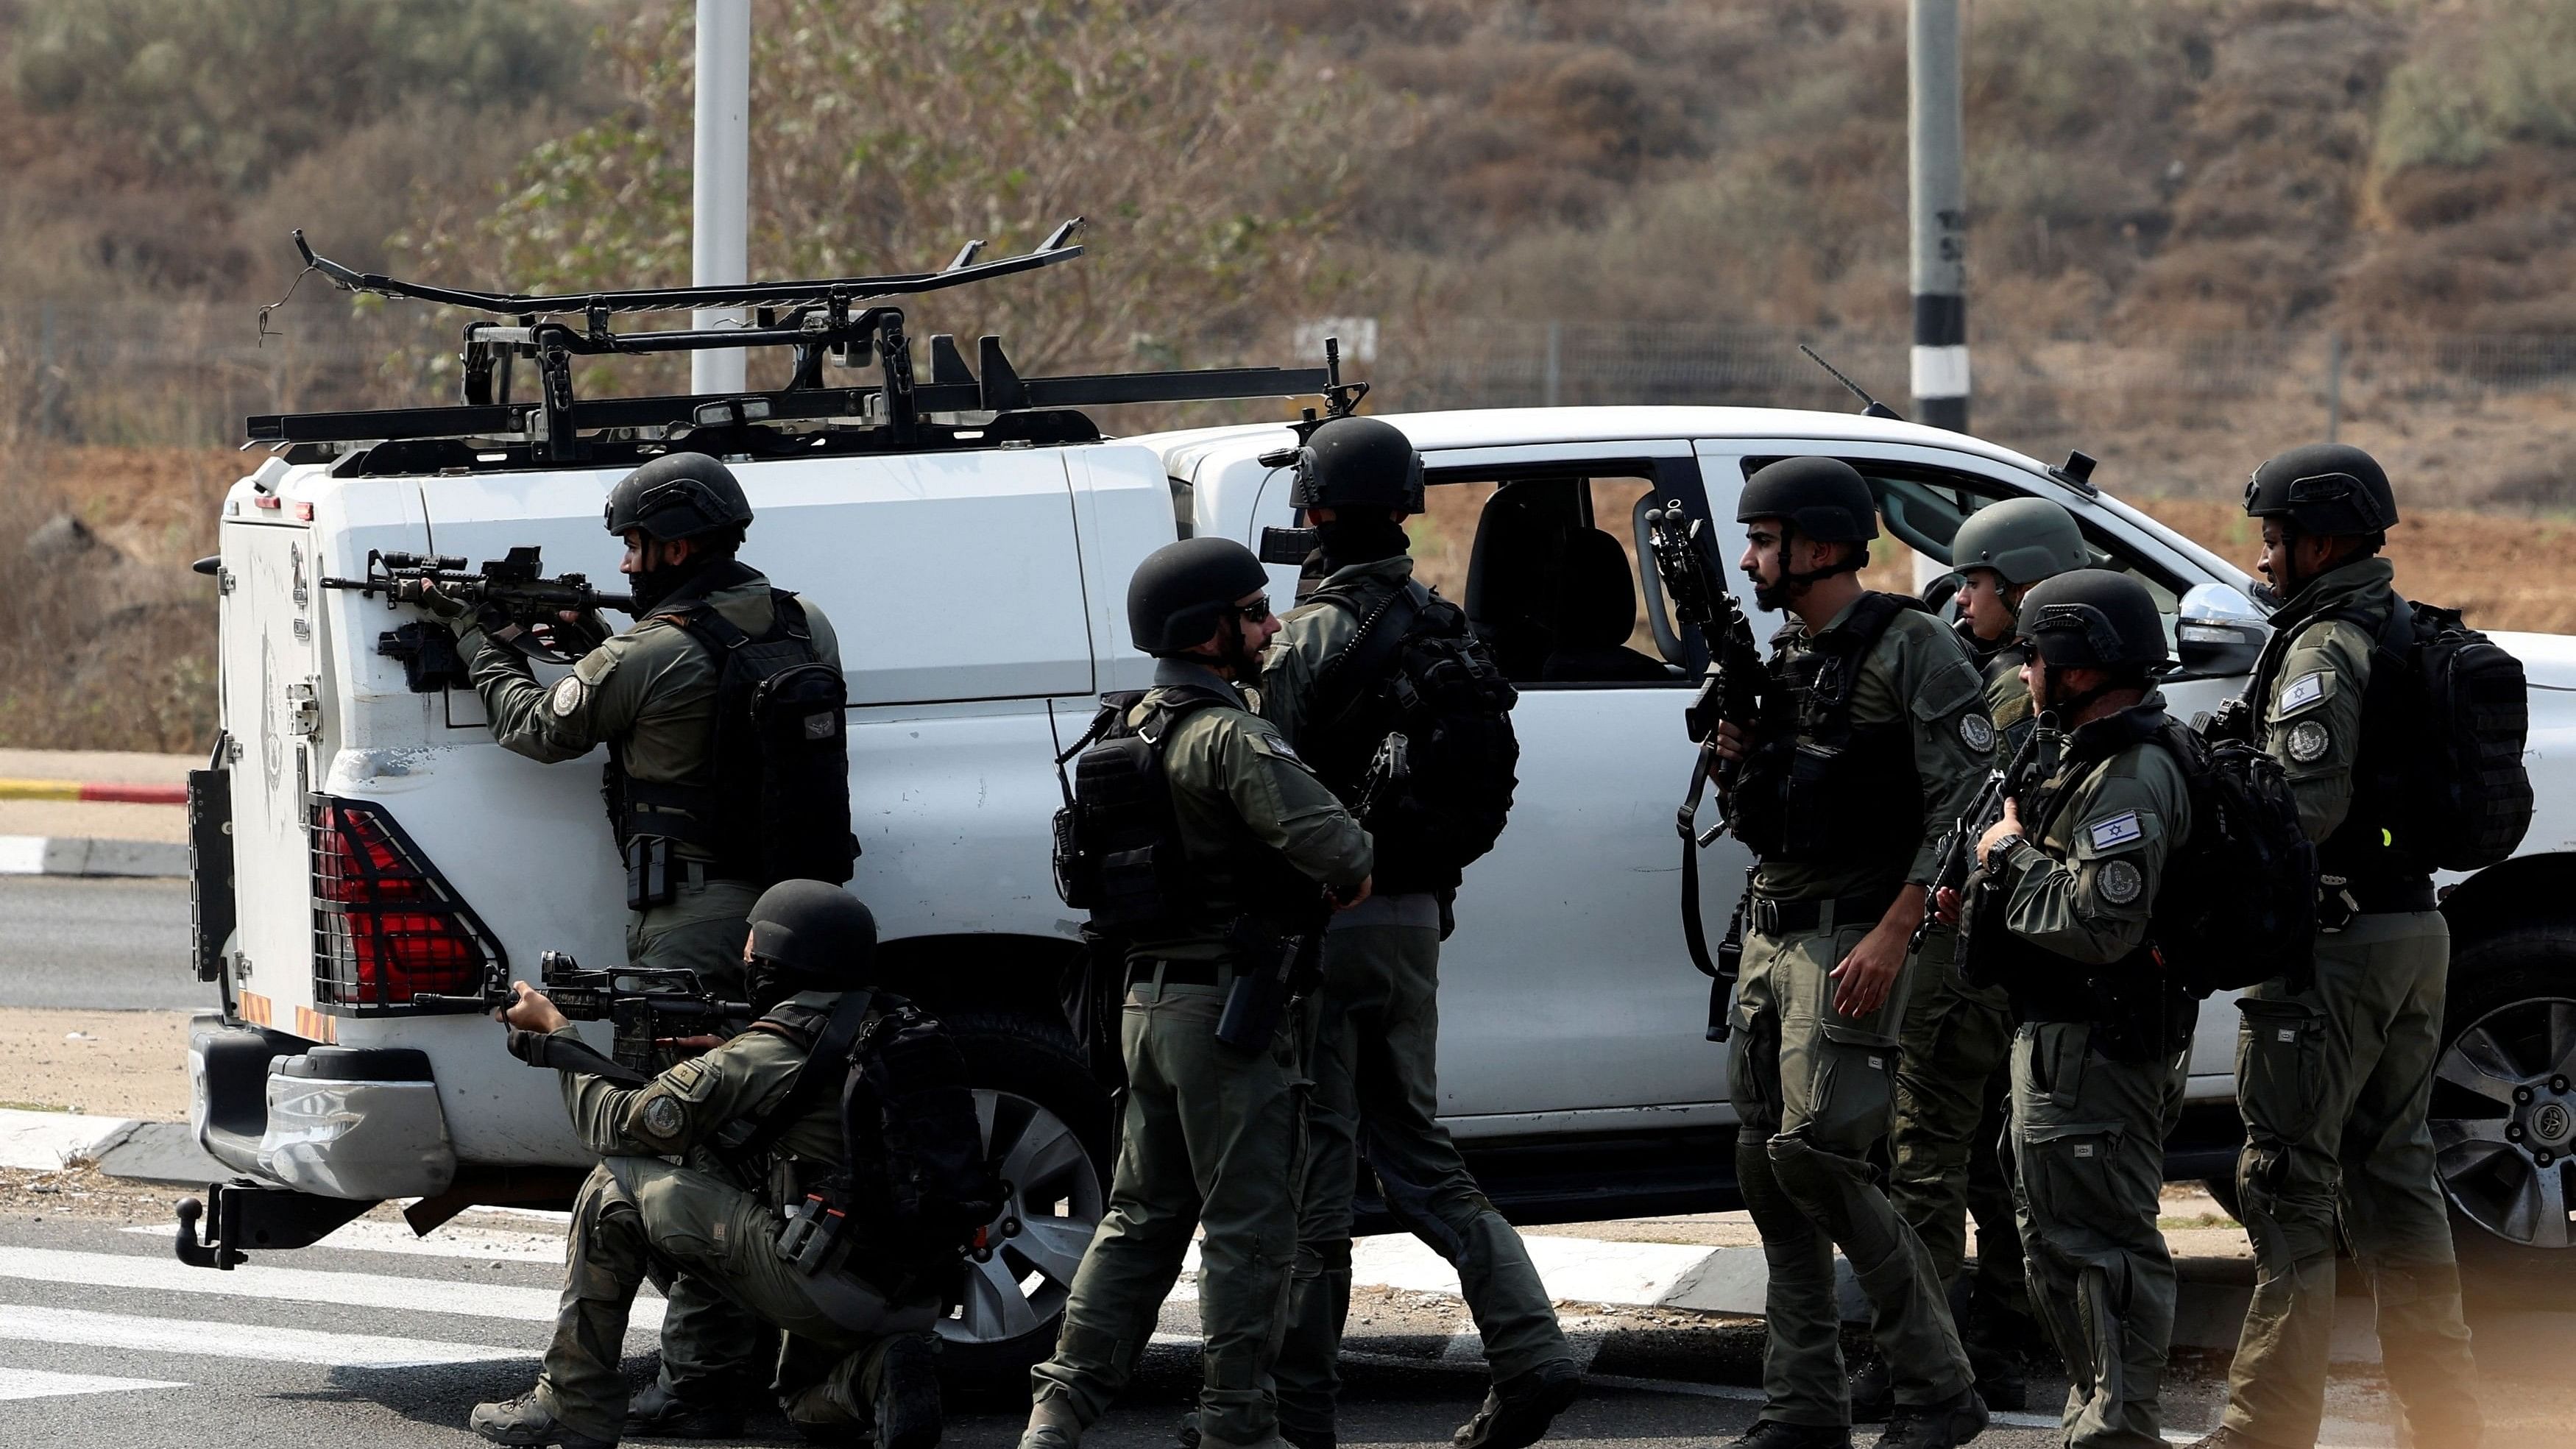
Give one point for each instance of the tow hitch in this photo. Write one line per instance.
(245, 1215)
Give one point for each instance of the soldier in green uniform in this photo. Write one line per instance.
(1873, 740)
(1376, 1065)
(1212, 1137)
(860, 1359)
(2068, 885)
(1951, 1082)
(2333, 1080)
(649, 694)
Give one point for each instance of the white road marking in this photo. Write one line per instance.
(301, 1285)
(505, 1245)
(37, 1384)
(200, 1339)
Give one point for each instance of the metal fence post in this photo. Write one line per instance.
(1555, 361)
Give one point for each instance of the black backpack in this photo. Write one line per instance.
(2238, 904)
(781, 749)
(916, 1182)
(2454, 761)
(1415, 668)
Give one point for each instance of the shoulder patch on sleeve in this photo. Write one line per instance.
(2308, 741)
(2305, 690)
(1976, 731)
(1946, 686)
(662, 1119)
(565, 697)
(1275, 747)
(2121, 881)
(2114, 832)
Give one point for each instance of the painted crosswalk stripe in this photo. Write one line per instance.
(198, 1338)
(302, 1285)
(38, 1384)
(497, 1245)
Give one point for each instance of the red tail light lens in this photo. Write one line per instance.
(386, 926)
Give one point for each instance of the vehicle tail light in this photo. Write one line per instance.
(386, 926)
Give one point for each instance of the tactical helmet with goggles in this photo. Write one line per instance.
(678, 495)
(1358, 462)
(2323, 489)
(2093, 619)
(1180, 592)
(809, 935)
(2024, 540)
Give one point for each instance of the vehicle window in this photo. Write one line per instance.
(1546, 566)
(1920, 510)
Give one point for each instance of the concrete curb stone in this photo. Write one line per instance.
(79, 855)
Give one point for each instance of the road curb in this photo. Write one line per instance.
(155, 1152)
(93, 792)
(82, 855)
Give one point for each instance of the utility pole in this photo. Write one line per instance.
(720, 250)
(1940, 207)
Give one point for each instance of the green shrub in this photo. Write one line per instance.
(2500, 72)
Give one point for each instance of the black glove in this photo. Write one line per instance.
(443, 605)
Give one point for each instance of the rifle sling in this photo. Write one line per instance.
(849, 1017)
(1695, 934)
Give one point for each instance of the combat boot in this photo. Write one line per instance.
(2223, 1437)
(1944, 1425)
(1873, 1391)
(658, 1413)
(1772, 1434)
(1517, 1410)
(526, 1423)
(1051, 1425)
(1189, 1438)
(908, 1409)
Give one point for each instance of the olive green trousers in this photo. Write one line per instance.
(2088, 1141)
(1813, 1093)
(2333, 1082)
(1952, 1087)
(1213, 1139)
(1376, 1096)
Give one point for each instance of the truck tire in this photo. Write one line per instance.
(2503, 1112)
(1047, 1122)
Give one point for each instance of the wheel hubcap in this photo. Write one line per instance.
(1053, 1201)
(2503, 1119)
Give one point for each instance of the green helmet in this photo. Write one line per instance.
(2093, 619)
(2323, 488)
(2022, 539)
(1824, 499)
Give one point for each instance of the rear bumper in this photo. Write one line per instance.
(340, 1122)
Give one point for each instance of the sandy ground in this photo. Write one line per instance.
(105, 1063)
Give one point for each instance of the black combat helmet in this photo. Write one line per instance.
(678, 495)
(1180, 590)
(2323, 488)
(2093, 619)
(1824, 499)
(809, 935)
(2022, 539)
(1358, 462)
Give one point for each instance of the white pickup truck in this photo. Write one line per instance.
(358, 842)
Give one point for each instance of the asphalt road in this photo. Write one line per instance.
(106, 1340)
(102, 943)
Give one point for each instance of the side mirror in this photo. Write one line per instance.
(2218, 631)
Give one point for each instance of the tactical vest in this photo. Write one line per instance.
(1819, 784)
(779, 805)
(2136, 1013)
(1119, 850)
(2368, 850)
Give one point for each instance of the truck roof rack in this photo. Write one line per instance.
(838, 322)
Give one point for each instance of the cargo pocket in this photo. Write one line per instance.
(1855, 1093)
(2280, 1068)
(2057, 1057)
(2066, 1176)
(1753, 1075)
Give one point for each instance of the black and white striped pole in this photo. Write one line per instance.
(1940, 207)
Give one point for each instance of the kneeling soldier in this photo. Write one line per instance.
(1213, 1135)
(743, 1117)
(2060, 915)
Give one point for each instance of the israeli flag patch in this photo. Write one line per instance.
(2119, 830)
(2303, 691)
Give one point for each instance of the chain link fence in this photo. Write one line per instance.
(189, 373)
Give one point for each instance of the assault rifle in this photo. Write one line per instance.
(512, 593)
(655, 1008)
(1731, 690)
(1957, 856)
